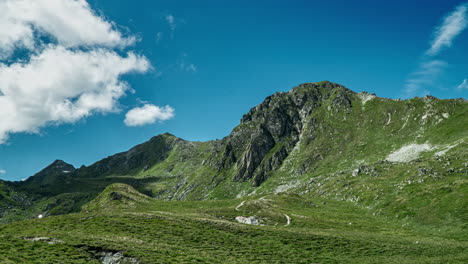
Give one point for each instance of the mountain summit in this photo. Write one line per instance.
(317, 139)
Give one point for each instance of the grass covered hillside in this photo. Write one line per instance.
(319, 174)
(125, 226)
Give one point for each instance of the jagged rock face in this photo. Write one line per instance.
(228, 158)
(261, 142)
(269, 132)
(268, 165)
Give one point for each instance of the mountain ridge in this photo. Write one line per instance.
(248, 116)
(296, 140)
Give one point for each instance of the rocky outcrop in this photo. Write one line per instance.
(251, 220)
(260, 144)
(48, 240)
(268, 165)
(106, 256)
(115, 258)
(268, 132)
(228, 158)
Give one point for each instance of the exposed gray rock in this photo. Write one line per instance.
(271, 130)
(47, 240)
(262, 141)
(356, 172)
(228, 158)
(117, 258)
(268, 165)
(251, 220)
(108, 257)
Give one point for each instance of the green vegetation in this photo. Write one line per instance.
(363, 179)
(154, 231)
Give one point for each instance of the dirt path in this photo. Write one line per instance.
(241, 204)
(288, 220)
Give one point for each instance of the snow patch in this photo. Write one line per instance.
(408, 153)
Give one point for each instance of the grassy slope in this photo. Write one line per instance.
(364, 137)
(343, 139)
(390, 206)
(154, 231)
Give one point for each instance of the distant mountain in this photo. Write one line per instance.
(404, 158)
(52, 174)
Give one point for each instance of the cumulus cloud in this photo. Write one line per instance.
(71, 22)
(2, 171)
(62, 86)
(451, 27)
(75, 75)
(463, 85)
(148, 114)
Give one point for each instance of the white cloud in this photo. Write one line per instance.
(71, 22)
(425, 76)
(62, 86)
(148, 114)
(430, 69)
(170, 19)
(451, 27)
(75, 76)
(463, 85)
(2, 171)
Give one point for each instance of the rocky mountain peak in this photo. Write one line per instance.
(270, 130)
(56, 169)
(304, 95)
(314, 133)
(58, 166)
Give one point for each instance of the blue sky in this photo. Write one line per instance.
(209, 62)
